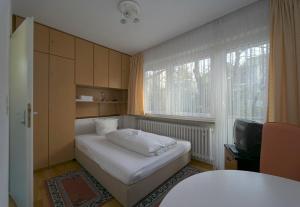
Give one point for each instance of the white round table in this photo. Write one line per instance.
(232, 188)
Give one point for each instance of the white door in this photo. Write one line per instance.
(20, 112)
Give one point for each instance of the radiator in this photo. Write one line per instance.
(199, 136)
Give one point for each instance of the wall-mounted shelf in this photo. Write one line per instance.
(80, 117)
(100, 88)
(112, 102)
(115, 102)
(101, 102)
(85, 101)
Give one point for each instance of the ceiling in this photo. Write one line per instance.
(99, 20)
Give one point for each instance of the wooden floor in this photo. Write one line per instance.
(40, 191)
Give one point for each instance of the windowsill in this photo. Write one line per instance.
(208, 120)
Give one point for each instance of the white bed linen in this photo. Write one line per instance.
(145, 143)
(127, 166)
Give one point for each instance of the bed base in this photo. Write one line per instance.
(128, 195)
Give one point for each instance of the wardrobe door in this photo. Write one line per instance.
(84, 69)
(125, 71)
(100, 66)
(40, 108)
(41, 38)
(62, 44)
(61, 110)
(115, 69)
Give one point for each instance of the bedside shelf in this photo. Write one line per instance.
(239, 161)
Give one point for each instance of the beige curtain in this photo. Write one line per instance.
(136, 86)
(284, 65)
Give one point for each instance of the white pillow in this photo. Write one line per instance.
(147, 144)
(105, 125)
(133, 140)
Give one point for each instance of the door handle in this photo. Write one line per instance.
(28, 115)
(23, 121)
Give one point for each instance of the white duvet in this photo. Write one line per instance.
(127, 166)
(145, 143)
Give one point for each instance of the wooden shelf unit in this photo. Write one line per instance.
(101, 102)
(99, 107)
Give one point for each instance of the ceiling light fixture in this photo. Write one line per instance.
(130, 11)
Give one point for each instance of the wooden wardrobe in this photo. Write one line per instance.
(55, 96)
(62, 62)
(41, 96)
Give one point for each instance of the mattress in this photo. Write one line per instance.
(127, 166)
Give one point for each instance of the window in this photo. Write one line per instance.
(182, 90)
(247, 74)
(218, 70)
(185, 89)
(247, 82)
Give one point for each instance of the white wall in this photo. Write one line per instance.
(5, 28)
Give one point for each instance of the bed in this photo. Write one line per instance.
(127, 175)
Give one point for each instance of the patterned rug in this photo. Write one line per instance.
(80, 189)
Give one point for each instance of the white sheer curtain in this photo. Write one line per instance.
(179, 89)
(218, 70)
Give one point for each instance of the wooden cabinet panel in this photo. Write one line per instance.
(40, 107)
(41, 38)
(108, 109)
(87, 109)
(61, 110)
(100, 66)
(123, 109)
(230, 162)
(84, 68)
(115, 69)
(125, 70)
(62, 44)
